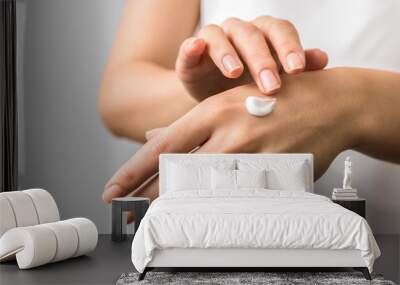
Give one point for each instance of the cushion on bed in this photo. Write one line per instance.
(188, 175)
(223, 179)
(282, 174)
(230, 180)
(251, 178)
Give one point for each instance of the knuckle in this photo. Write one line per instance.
(231, 22)
(211, 28)
(158, 146)
(217, 106)
(286, 46)
(252, 31)
(282, 24)
(237, 27)
(241, 142)
(263, 20)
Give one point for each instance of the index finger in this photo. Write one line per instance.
(181, 137)
(285, 40)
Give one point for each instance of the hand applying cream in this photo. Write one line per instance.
(259, 106)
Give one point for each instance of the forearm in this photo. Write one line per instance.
(380, 130)
(140, 96)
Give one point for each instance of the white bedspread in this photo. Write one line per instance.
(250, 219)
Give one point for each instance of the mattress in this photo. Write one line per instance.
(251, 219)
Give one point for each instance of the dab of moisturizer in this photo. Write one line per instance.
(260, 106)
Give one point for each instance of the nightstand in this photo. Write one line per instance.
(138, 206)
(358, 206)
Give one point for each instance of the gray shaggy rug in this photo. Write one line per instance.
(269, 278)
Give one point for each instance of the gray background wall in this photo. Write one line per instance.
(64, 147)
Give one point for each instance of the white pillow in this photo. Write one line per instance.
(226, 179)
(223, 179)
(282, 174)
(251, 178)
(193, 175)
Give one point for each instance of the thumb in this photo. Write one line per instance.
(190, 54)
(316, 59)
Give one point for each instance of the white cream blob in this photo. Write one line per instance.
(260, 106)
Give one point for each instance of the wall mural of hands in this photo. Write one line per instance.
(202, 85)
(318, 112)
(216, 59)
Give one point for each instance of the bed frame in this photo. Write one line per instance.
(248, 258)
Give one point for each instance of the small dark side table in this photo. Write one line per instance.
(137, 205)
(358, 206)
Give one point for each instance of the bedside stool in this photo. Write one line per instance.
(137, 205)
(357, 206)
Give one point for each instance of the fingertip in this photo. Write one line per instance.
(269, 82)
(270, 92)
(316, 59)
(324, 56)
(324, 53)
(190, 53)
(233, 68)
(318, 53)
(273, 92)
(295, 62)
(111, 192)
(105, 198)
(194, 46)
(236, 72)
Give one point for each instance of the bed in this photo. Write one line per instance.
(246, 211)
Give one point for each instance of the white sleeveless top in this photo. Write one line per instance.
(357, 33)
(363, 33)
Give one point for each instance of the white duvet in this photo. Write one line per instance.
(250, 219)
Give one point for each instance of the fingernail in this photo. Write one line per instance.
(269, 81)
(112, 191)
(230, 63)
(295, 61)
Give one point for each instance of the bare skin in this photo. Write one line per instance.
(145, 53)
(321, 112)
(152, 87)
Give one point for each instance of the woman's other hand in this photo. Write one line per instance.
(216, 59)
(329, 117)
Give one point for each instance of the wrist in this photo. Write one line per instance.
(350, 105)
(378, 123)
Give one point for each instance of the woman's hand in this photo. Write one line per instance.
(214, 61)
(319, 112)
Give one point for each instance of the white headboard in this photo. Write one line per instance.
(308, 157)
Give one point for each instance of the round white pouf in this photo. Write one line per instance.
(23, 208)
(67, 240)
(87, 234)
(260, 106)
(7, 218)
(45, 205)
(33, 246)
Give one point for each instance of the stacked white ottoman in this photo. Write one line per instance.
(31, 230)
